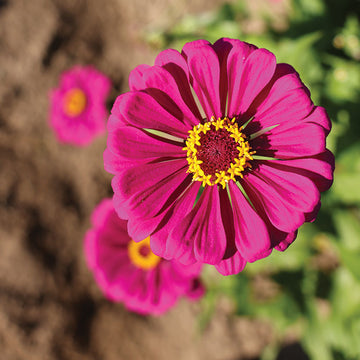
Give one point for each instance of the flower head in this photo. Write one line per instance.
(129, 272)
(218, 153)
(77, 109)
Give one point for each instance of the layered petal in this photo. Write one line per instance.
(136, 77)
(232, 54)
(294, 189)
(200, 228)
(161, 85)
(129, 143)
(161, 224)
(268, 203)
(281, 241)
(284, 107)
(251, 234)
(319, 116)
(143, 191)
(172, 61)
(227, 218)
(163, 243)
(256, 72)
(232, 265)
(204, 69)
(235, 64)
(319, 168)
(301, 141)
(143, 111)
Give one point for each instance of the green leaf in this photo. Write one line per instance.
(342, 83)
(351, 261)
(349, 159)
(345, 296)
(346, 187)
(347, 225)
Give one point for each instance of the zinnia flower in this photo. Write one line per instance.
(129, 272)
(77, 109)
(219, 153)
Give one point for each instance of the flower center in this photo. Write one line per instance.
(141, 255)
(217, 151)
(74, 102)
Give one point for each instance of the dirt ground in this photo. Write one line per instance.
(50, 307)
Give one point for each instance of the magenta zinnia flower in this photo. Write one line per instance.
(78, 105)
(129, 272)
(227, 125)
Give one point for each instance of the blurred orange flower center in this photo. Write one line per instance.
(74, 102)
(141, 255)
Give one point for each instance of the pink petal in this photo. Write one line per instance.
(319, 168)
(162, 241)
(227, 217)
(144, 190)
(286, 105)
(113, 164)
(281, 70)
(296, 190)
(136, 81)
(128, 146)
(268, 203)
(231, 266)
(223, 47)
(141, 110)
(286, 241)
(280, 240)
(256, 72)
(181, 272)
(320, 116)
(166, 296)
(113, 264)
(129, 143)
(251, 234)
(115, 121)
(160, 225)
(176, 276)
(280, 90)
(118, 290)
(203, 227)
(196, 290)
(90, 249)
(235, 67)
(140, 228)
(311, 215)
(101, 212)
(204, 68)
(135, 288)
(172, 61)
(161, 85)
(301, 141)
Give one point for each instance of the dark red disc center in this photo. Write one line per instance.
(217, 151)
(144, 250)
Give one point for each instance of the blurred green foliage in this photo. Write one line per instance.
(312, 291)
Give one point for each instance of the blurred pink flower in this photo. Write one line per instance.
(128, 271)
(78, 106)
(225, 124)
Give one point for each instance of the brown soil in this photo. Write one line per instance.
(50, 307)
